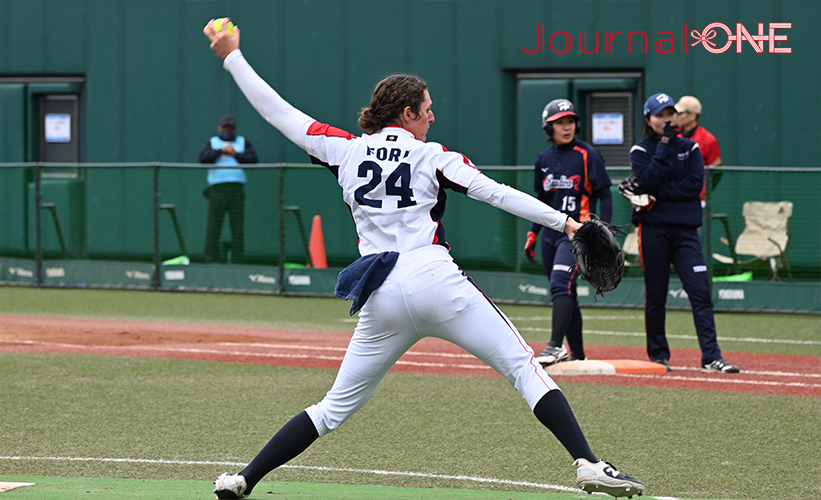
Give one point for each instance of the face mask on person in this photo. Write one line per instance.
(227, 135)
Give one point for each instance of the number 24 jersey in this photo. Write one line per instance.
(393, 183)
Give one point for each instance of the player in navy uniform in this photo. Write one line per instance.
(405, 285)
(670, 170)
(571, 178)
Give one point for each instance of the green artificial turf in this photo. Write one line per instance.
(62, 488)
(192, 420)
(303, 313)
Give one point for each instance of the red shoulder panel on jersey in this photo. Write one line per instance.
(464, 158)
(318, 128)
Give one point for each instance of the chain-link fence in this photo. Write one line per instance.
(146, 225)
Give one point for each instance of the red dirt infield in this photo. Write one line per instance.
(788, 375)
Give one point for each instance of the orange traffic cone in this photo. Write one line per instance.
(317, 245)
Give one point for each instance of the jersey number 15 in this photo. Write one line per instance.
(568, 204)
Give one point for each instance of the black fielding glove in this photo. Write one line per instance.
(669, 134)
(598, 255)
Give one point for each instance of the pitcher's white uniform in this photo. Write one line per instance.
(395, 187)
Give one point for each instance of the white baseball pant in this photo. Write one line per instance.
(426, 295)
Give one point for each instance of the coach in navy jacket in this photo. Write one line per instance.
(671, 170)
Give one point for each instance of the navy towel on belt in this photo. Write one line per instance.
(360, 279)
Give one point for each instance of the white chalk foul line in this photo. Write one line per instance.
(402, 362)
(686, 337)
(442, 355)
(765, 373)
(343, 349)
(723, 339)
(478, 366)
(224, 352)
(721, 380)
(473, 479)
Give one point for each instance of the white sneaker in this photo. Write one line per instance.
(603, 477)
(230, 487)
(552, 355)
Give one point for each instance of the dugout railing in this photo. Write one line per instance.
(143, 225)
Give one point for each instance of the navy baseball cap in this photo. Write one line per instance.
(227, 121)
(657, 102)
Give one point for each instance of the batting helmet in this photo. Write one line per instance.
(556, 109)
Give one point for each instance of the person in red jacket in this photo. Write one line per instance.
(688, 110)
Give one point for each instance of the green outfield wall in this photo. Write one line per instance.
(154, 94)
(136, 95)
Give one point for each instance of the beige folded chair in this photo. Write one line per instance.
(631, 249)
(765, 237)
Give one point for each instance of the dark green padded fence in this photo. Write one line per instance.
(117, 225)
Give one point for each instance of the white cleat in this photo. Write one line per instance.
(230, 487)
(603, 477)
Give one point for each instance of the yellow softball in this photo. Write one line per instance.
(218, 26)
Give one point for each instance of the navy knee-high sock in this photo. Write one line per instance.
(562, 314)
(574, 334)
(292, 439)
(554, 412)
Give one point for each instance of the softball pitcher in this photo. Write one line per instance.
(406, 285)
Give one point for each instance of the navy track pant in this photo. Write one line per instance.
(659, 246)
